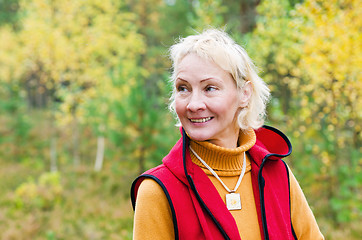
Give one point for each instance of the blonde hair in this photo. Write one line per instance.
(217, 46)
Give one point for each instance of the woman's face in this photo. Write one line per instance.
(207, 101)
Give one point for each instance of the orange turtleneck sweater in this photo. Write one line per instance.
(153, 217)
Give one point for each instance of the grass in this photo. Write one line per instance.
(92, 205)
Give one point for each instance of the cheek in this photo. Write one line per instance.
(179, 107)
(230, 108)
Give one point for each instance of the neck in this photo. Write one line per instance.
(229, 140)
(227, 160)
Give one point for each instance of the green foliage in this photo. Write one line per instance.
(142, 115)
(43, 194)
(331, 76)
(8, 11)
(315, 105)
(15, 125)
(278, 33)
(207, 13)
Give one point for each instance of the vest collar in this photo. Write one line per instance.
(271, 144)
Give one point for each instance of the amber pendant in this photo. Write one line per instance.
(233, 201)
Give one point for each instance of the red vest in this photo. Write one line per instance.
(198, 211)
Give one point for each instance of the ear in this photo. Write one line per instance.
(245, 94)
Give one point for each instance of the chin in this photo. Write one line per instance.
(198, 136)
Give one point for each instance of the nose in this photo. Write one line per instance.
(196, 102)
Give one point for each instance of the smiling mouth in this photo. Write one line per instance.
(200, 120)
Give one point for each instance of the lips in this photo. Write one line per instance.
(200, 120)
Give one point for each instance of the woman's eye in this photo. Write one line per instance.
(210, 88)
(181, 88)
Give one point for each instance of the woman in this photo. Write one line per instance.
(224, 179)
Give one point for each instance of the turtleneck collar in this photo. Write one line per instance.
(224, 161)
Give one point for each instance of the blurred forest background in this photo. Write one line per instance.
(84, 92)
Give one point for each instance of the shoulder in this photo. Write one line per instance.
(150, 189)
(158, 174)
(153, 216)
(295, 188)
(150, 183)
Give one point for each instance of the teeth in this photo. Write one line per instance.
(200, 120)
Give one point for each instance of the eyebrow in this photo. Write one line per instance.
(181, 79)
(203, 80)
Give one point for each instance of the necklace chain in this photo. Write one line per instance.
(217, 177)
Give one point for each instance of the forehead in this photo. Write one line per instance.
(193, 65)
(195, 70)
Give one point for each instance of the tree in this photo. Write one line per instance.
(143, 113)
(275, 46)
(310, 56)
(15, 125)
(207, 13)
(331, 101)
(8, 11)
(63, 65)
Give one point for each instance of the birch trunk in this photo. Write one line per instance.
(53, 154)
(76, 158)
(100, 153)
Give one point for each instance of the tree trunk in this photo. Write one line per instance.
(100, 153)
(53, 154)
(76, 158)
(248, 15)
(141, 159)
